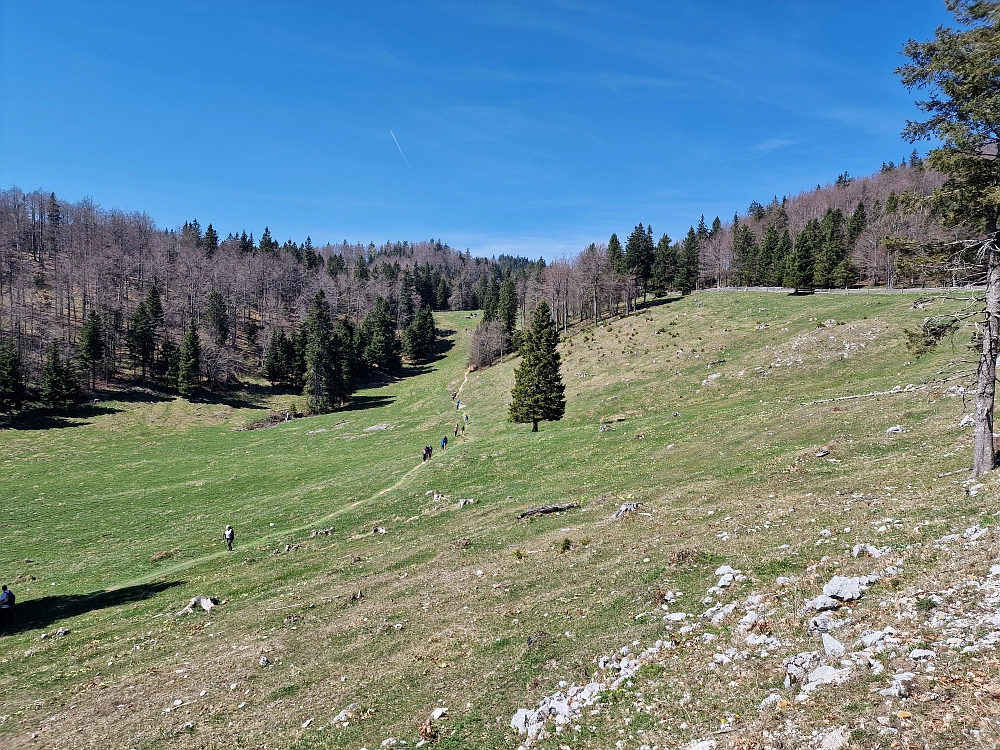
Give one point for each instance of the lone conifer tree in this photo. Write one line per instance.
(538, 392)
(323, 382)
(189, 368)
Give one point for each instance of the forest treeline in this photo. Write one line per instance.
(104, 295)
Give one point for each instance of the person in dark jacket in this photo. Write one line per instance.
(6, 606)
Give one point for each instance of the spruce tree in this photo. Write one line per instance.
(267, 244)
(640, 254)
(406, 291)
(832, 250)
(418, 338)
(856, 224)
(799, 271)
(276, 362)
(351, 365)
(59, 386)
(189, 366)
(382, 348)
(168, 360)
(664, 265)
(442, 294)
(616, 256)
(745, 252)
(140, 338)
(686, 279)
(210, 242)
(90, 346)
(507, 306)
(217, 318)
(538, 393)
(323, 387)
(11, 378)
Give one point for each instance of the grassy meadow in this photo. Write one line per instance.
(112, 521)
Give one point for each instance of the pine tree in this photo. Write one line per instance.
(90, 346)
(323, 381)
(217, 318)
(382, 348)
(11, 378)
(538, 393)
(59, 387)
(686, 279)
(189, 366)
(419, 336)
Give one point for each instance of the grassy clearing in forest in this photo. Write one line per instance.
(113, 522)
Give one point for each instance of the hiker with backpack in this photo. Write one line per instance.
(229, 536)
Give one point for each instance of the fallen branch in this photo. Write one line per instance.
(894, 391)
(966, 470)
(542, 510)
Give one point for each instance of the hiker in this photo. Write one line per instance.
(6, 606)
(454, 395)
(430, 451)
(458, 404)
(463, 430)
(466, 418)
(229, 535)
(427, 452)
(444, 442)
(456, 429)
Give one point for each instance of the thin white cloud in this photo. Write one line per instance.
(772, 145)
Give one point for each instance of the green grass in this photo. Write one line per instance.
(91, 503)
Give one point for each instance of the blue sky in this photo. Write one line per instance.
(528, 127)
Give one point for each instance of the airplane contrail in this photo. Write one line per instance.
(400, 149)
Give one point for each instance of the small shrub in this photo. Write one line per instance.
(519, 554)
(926, 604)
(566, 545)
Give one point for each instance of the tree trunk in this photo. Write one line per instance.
(534, 425)
(983, 459)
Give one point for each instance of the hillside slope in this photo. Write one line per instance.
(701, 408)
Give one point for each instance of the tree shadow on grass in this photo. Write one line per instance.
(423, 366)
(360, 403)
(35, 614)
(47, 420)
